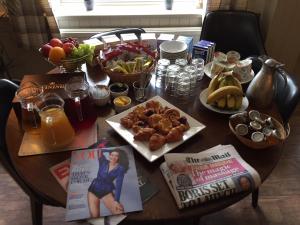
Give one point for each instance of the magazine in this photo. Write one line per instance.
(218, 172)
(102, 182)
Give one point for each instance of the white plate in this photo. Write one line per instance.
(173, 46)
(142, 147)
(207, 71)
(203, 98)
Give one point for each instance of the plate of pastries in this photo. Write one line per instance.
(155, 127)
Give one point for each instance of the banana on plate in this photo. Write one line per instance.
(225, 92)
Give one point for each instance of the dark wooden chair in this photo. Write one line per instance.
(234, 30)
(287, 96)
(7, 93)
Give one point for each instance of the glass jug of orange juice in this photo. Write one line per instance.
(56, 130)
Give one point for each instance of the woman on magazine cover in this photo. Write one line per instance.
(103, 188)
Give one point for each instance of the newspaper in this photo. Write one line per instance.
(218, 172)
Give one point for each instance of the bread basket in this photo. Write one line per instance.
(126, 78)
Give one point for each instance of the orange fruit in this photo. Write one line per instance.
(56, 54)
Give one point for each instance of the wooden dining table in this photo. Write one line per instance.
(161, 207)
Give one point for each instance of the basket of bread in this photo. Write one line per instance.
(127, 62)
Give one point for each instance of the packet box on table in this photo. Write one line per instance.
(164, 37)
(200, 51)
(211, 49)
(129, 38)
(99, 45)
(212, 46)
(110, 40)
(149, 40)
(188, 41)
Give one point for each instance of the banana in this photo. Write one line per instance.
(213, 85)
(222, 82)
(238, 102)
(237, 83)
(230, 102)
(223, 91)
(221, 103)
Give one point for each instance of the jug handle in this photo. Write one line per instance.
(30, 108)
(282, 73)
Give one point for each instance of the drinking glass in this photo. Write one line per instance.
(160, 72)
(79, 107)
(29, 95)
(56, 130)
(191, 70)
(183, 85)
(181, 62)
(170, 81)
(199, 64)
(140, 93)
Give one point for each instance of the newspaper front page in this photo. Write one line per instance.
(195, 178)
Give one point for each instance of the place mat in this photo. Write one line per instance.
(32, 143)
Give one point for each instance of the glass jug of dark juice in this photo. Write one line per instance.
(79, 107)
(29, 95)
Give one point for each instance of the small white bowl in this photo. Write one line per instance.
(173, 46)
(115, 93)
(101, 95)
(119, 107)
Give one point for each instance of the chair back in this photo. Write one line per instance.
(118, 32)
(287, 96)
(234, 30)
(7, 93)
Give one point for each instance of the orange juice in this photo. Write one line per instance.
(56, 129)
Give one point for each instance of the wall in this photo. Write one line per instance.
(280, 29)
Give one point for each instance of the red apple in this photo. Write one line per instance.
(68, 47)
(46, 49)
(55, 42)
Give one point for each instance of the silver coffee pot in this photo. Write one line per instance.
(262, 89)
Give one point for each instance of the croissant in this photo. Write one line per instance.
(154, 119)
(127, 122)
(156, 141)
(156, 106)
(183, 121)
(144, 134)
(172, 114)
(138, 125)
(164, 125)
(174, 135)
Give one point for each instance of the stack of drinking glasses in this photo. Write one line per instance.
(160, 72)
(171, 79)
(179, 79)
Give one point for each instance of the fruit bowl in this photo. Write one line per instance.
(67, 53)
(71, 65)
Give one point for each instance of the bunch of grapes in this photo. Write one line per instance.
(83, 50)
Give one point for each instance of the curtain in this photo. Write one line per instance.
(34, 23)
(226, 5)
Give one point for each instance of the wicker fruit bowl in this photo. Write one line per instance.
(71, 65)
(272, 140)
(127, 63)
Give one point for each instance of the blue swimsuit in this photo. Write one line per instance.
(103, 183)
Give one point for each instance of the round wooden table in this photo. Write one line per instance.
(35, 169)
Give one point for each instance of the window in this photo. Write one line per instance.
(73, 20)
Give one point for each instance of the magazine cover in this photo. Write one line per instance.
(102, 182)
(218, 172)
